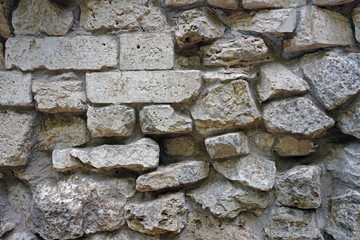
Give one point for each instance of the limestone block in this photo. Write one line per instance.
(254, 4)
(331, 2)
(5, 31)
(182, 3)
(123, 234)
(15, 89)
(289, 146)
(348, 120)
(228, 75)
(63, 161)
(356, 21)
(180, 146)
(224, 4)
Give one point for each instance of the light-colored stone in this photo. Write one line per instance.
(113, 120)
(6, 227)
(162, 119)
(23, 235)
(348, 120)
(15, 89)
(289, 146)
(331, 2)
(143, 86)
(228, 75)
(5, 31)
(63, 161)
(224, 4)
(297, 116)
(319, 28)
(180, 146)
(61, 53)
(41, 16)
(163, 215)
(264, 141)
(225, 106)
(182, 3)
(356, 21)
(227, 145)
(138, 156)
(252, 170)
(146, 51)
(123, 234)
(255, 4)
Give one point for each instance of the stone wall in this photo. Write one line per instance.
(180, 119)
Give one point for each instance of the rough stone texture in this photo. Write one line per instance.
(143, 87)
(289, 146)
(252, 170)
(348, 120)
(331, 2)
(138, 156)
(163, 215)
(78, 53)
(224, 4)
(180, 146)
(25, 235)
(6, 227)
(124, 234)
(296, 115)
(264, 141)
(225, 106)
(80, 204)
(254, 4)
(356, 21)
(49, 18)
(114, 120)
(336, 88)
(181, 3)
(227, 145)
(319, 28)
(63, 161)
(15, 89)
(196, 26)
(146, 51)
(228, 75)
(162, 119)
(5, 31)
(277, 80)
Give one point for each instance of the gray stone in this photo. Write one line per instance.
(264, 141)
(63, 161)
(15, 89)
(180, 146)
(255, 4)
(228, 75)
(23, 235)
(123, 234)
(289, 146)
(6, 227)
(331, 2)
(5, 31)
(356, 21)
(182, 3)
(348, 120)
(224, 4)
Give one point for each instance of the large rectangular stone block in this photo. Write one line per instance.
(15, 89)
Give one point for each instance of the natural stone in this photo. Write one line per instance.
(297, 116)
(252, 170)
(63, 161)
(180, 146)
(264, 141)
(5, 31)
(331, 2)
(123, 234)
(41, 16)
(143, 86)
(254, 4)
(162, 119)
(356, 21)
(182, 3)
(347, 119)
(24, 235)
(289, 146)
(224, 4)
(163, 215)
(138, 156)
(225, 106)
(227, 145)
(2, 58)
(228, 75)
(113, 120)
(15, 89)
(6, 227)
(61, 53)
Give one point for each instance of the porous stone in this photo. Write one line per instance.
(61, 53)
(228, 75)
(264, 141)
(348, 120)
(224, 4)
(6, 227)
(15, 89)
(300, 187)
(162, 119)
(331, 2)
(227, 145)
(289, 146)
(255, 4)
(163, 215)
(41, 16)
(143, 86)
(123, 234)
(252, 170)
(297, 116)
(356, 21)
(138, 156)
(62, 160)
(114, 120)
(5, 31)
(180, 146)
(182, 3)
(225, 106)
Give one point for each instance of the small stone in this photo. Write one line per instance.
(162, 119)
(114, 120)
(228, 75)
(224, 4)
(348, 120)
(289, 146)
(356, 21)
(264, 141)
(227, 145)
(255, 4)
(6, 227)
(330, 2)
(252, 170)
(297, 116)
(179, 146)
(163, 215)
(182, 3)
(24, 235)
(123, 234)
(15, 89)
(5, 31)
(63, 161)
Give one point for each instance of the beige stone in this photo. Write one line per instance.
(15, 89)
(356, 21)
(331, 2)
(289, 146)
(254, 4)
(228, 75)
(182, 3)
(123, 234)
(5, 31)
(180, 146)
(62, 160)
(264, 141)
(224, 4)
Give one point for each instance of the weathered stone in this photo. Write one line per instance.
(5, 31)
(189, 61)
(225, 106)
(293, 224)
(2, 58)
(123, 234)
(277, 80)
(296, 115)
(224, 4)
(319, 28)
(196, 26)
(146, 51)
(227, 145)
(179, 146)
(264, 141)
(228, 75)
(114, 120)
(80, 204)
(300, 187)
(348, 120)
(143, 86)
(63, 161)
(182, 3)
(78, 53)
(336, 88)
(163, 215)
(41, 16)
(138, 156)
(15, 89)
(6, 227)
(331, 2)
(289, 146)
(254, 4)
(356, 21)
(252, 170)
(23, 235)
(162, 119)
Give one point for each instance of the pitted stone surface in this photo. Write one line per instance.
(356, 21)
(62, 160)
(15, 89)
(254, 4)
(228, 75)
(289, 146)
(182, 3)
(5, 31)
(123, 234)
(180, 146)
(348, 120)
(224, 4)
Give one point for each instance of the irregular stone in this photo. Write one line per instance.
(114, 120)
(41, 16)
(228, 75)
(138, 156)
(146, 51)
(224, 4)
(2, 58)
(293, 224)
(182, 3)
(19, 197)
(5, 30)
(331, 2)
(225, 106)
(336, 88)
(63, 161)
(24, 235)
(277, 80)
(227, 145)
(196, 26)
(80, 204)
(162, 119)
(124, 234)
(163, 215)
(356, 21)
(6, 227)
(61, 53)
(296, 115)
(15, 89)
(264, 141)
(319, 28)
(255, 4)
(189, 61)
(142, 86)
(289, 146)
(252, 170)
(347, 119)
(179, 146)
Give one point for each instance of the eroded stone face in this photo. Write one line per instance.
(356, 21)
(180, 146)
(254, 4)
(181, 3)
(331, 2)
(15, 89)
(348, 120)
(5, 31)
(289, 146)
(62, 160)
(123, 234)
